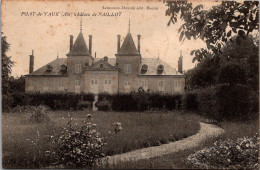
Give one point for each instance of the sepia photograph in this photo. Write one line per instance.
(149, 84)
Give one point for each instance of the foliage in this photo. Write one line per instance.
(103, 105)
(232, 73)
(39, 115)
(242, 153)
(246, 55)
(190, 101)
(60, 101)
(17, 84)
(7, 65)
(221, 102)
(141, 100)
(214, 26)
(80, 146)
(238, 62)
(7, 100)
(84, 105)
(203, 75)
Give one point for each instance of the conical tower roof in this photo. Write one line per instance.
(128, 46)
(79, 48)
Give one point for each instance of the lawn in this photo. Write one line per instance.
(233, 130)
(139, 130)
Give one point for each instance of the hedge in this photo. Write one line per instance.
(222, 102)
(60, 101)
(139, 101)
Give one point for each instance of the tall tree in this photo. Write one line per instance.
(214, 26)
(7, 65)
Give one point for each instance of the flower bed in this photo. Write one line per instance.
(242, 153)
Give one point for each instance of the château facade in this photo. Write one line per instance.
(128, 71)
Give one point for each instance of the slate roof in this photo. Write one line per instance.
(102, 61)
(79, 47)
(128, 46)
(56, 67)
(153, 64)
(111, 61)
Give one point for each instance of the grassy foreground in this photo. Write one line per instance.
(233, 130)
(21, 149)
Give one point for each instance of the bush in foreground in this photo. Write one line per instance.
(242, 153)
(79, 146)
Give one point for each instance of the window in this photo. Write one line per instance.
(144, 84)
(77, 82)
(78, 68)
(127, 83)
(94, 82)
(160, 69)
(127, 68)
(101, 66)
(161, 85)
(108, 82)
(144, 69)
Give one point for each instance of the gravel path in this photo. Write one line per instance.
(206, 131)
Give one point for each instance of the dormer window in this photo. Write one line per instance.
(63, 68)
(48, 68)
(101, 66)
(160, 69)
(144, 69)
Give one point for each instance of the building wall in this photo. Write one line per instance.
(134, 62)
(77, 76)
(46, 84)
(103, 78)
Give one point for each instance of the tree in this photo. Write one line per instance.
(244, 54)
(232, 73)
(214, 26)
(17, 84)
(7, 65)
(203, 75)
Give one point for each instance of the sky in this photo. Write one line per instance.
(48, 36)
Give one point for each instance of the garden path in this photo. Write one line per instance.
(206, 131)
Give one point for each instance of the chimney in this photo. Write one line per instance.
(180, 69)
(139, 37)
(118, 43)
(95, 54)
(71, 42)
(106, 59)
(31, 64)
(90, 44)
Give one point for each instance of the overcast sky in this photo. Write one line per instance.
(49, 35)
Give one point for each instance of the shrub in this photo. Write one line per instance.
(190, 101)
(254, 104)
(219, 102)
(232, 73)
(123, 102)
(60, 101)
(232, 102)
(79, 146)
(103, 105)
(7, 101)
(83, 105)
(39, 115)
(228, 154)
